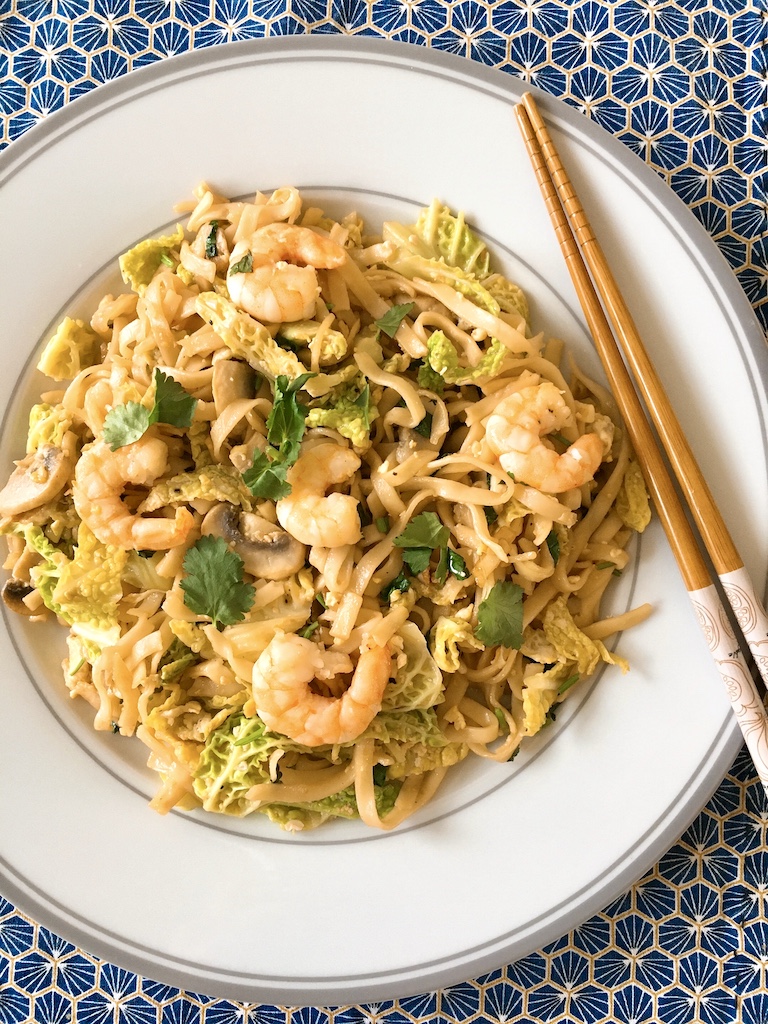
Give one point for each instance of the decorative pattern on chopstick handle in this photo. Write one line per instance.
(740, 687)
(750, 615)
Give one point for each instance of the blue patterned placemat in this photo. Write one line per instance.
(685, 86)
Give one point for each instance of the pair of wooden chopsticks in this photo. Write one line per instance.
(603, 306)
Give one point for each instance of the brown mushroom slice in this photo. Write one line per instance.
(14, 591)
(37, 478)
(232, 380)
(267, 551)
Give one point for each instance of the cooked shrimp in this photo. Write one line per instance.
(286, 703)
(282, 285)
(101, 476)
(514, 432)
(307, 513)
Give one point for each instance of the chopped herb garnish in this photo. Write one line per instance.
(390, 322)
(605, 565)
(500, 616)
(213, 584)
(285, 428)
(568, 683)
(243, 266)
(126, 423)
(561, 439)
(382, 524)
(167, 259)
(211, 249)
(420, 538)
(491, 515)
(399, 584)
(425, 427)
(553, 543)
(309, 629)
(450, 561)
(320, 598)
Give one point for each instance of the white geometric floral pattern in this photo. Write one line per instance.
(684, 84)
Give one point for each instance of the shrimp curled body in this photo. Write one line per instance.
(101, 476)
(286, 704)
(514, 433)
(282, 285)
(307, 513)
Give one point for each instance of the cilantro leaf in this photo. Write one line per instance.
(211, 249)
(267, 478)
(553, 543)
(425, 531)
(417, 559)
(451, 563)
(285, 423)
(500, 616)
(213, 584)
(125, 424)
(457, 566)
(243, 266)
(425, 427)
(418, 540)
(441, 572)
(173, 404)
(390, 322)
(400, 583)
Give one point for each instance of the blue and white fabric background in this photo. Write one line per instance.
(682, 83)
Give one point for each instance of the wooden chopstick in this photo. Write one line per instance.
(735, 580)
(569, 223)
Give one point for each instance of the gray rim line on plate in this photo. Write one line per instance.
(260, 52)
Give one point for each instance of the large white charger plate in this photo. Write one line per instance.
(508, 857)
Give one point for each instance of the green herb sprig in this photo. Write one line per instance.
(500, 616)
(213, 582)
(420, 538)
(125, 424)
(286, 423)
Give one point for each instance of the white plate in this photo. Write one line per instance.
(508, 857)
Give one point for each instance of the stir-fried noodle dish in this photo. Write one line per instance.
(322, 513)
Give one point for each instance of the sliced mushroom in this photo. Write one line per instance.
(267, 551)
(232, 381)
(37, 478)
(14, 592)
